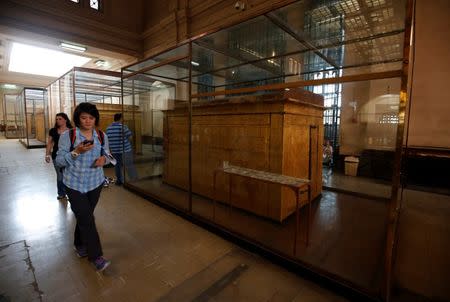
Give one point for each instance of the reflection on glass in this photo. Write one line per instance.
(155, 109)
(31, 117)
(16, 115)
(79, 85)
(335, 137)
(360, 121)
(167, 55)
(65, 94)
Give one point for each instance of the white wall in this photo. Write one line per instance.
(430, 97)
(422, 264)
(363, 104)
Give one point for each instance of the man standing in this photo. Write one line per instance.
(119, 142)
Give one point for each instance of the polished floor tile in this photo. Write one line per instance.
(156, 255)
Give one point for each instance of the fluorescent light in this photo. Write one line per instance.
(72, 47)
(9, 86)
(195, 63)
(42, 61)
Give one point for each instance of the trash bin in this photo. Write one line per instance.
(351, 165)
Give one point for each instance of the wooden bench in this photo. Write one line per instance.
(296, 184)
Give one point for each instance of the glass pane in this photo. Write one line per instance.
(248, 132)
(249, 145)
(323, 21)
(337, 147)
(294, 42)
(362, 144)
(176, 52)
(66, 94)
(97, 87)
(13, 116)
(35, 119)
(46, 114)
(54, 104)
(156, 107)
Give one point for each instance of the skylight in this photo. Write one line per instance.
(41, 61)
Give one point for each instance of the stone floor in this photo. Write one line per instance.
(156, 255)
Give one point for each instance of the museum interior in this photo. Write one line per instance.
(312, 134)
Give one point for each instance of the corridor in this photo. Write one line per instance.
(156, 255)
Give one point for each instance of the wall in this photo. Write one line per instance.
(363, 105)
(117, 27)
(422, 262)
(430, 94)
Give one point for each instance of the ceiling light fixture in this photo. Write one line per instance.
(100, 63)
(45, 62)
(195, 63)
(9, 86)
(70, 46)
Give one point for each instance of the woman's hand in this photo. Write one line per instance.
(81, 148)
(100, 162)
(47, 158)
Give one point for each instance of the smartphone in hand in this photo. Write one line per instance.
(87, 142)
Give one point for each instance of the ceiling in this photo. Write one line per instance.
(114, 60)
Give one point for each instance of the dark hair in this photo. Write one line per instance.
(64, 116)
(117, 117)
(85, 108)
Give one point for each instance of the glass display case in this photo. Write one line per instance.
(306, 94)
(11, 116)
(32, 120)
(85, 85)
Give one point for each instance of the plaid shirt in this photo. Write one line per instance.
(79, 173)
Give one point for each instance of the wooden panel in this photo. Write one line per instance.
(295, 157)
(299, 130)
(256, 138)
(40, 127)
(275, 162)
(176, 169)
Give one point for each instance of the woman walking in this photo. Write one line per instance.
(62, 124)
(82, 153)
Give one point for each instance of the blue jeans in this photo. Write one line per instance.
(124, 159)
(59, 180)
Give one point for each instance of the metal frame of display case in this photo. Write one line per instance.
(101, 87)
(380, 50)
(30, 125)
